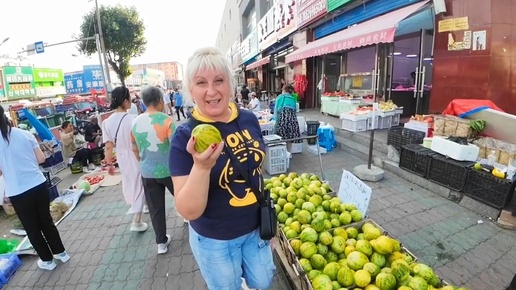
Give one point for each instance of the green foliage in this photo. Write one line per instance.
(123, 32)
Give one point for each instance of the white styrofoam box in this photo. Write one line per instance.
(454, 150)
(418, 126)
(302, 124)
(296, 148)
(313, 149)
(355, 117)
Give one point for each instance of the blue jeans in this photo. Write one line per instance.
(224, 263)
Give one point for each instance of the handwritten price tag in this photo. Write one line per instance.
(354, 190)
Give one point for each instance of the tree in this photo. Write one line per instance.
(123, 33)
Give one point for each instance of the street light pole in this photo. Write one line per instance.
(107, 77)
(4, 41)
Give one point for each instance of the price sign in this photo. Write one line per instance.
(358, 82)
(354, 190)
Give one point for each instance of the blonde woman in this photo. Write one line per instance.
(209, 189)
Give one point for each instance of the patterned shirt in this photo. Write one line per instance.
(151, 133)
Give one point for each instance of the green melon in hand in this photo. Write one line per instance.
(205, 135)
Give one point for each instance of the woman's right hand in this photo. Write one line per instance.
(208, 158)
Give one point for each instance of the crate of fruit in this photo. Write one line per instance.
(9, 263)
(357, 256)
(489, 189)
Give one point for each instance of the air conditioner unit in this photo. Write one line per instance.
(439, 6)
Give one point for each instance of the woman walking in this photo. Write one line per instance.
(26, 188)
(116, 133)
(209, 188)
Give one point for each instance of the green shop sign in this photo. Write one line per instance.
(19, 82)
(2, 94)
(334, 4)
(47, 75)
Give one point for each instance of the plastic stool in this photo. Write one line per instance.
(326, 138)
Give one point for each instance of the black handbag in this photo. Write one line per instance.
(268, 218)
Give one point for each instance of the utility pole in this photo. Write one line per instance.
(102, 46)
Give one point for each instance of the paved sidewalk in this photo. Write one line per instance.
(105, 255)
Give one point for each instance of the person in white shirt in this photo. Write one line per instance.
(254, 104)
(26, 189)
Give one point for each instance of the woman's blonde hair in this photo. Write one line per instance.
(207, 58)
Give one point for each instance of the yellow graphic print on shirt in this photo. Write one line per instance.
(237, 142)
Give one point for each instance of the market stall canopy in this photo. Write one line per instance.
(378, 30)
(259, 63)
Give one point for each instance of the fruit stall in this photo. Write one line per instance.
(382, 115)
(326, 241)
(455, 153)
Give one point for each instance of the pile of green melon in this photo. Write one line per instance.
(335, 247)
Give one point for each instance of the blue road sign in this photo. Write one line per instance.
(39, 47)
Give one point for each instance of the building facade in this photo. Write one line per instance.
(229, 29)
(173, 70)
(421, 54)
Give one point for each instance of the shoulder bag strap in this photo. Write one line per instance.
(118, 128)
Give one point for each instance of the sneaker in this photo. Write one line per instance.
(63, 257)
(185, 221)
(141, 227)
(145, 209)
(163, 248)
(49, 266)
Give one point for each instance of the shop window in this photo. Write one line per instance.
(361, 60)
(332, 64)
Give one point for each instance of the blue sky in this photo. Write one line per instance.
(173, 31)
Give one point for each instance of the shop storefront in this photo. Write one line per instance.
(249, 51)
(48, 82)
(18, 83)
(235, 59)
(388, 56)
(274, 30)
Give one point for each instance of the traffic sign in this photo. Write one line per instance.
(39, 46)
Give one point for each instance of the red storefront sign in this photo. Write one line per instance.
(309, 11)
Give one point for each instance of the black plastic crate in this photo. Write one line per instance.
(311, 130)
(488, 189)
(415, 158)
(448, 172)
(399, 136)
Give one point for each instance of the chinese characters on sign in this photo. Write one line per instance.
(382, 36)
(18, 79)
(73, 84)
(278, 22)
(309, 11)
(46, 75)
(92, 78)
(19, 82)
(21, 90)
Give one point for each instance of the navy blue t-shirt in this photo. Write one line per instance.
(232, 208)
